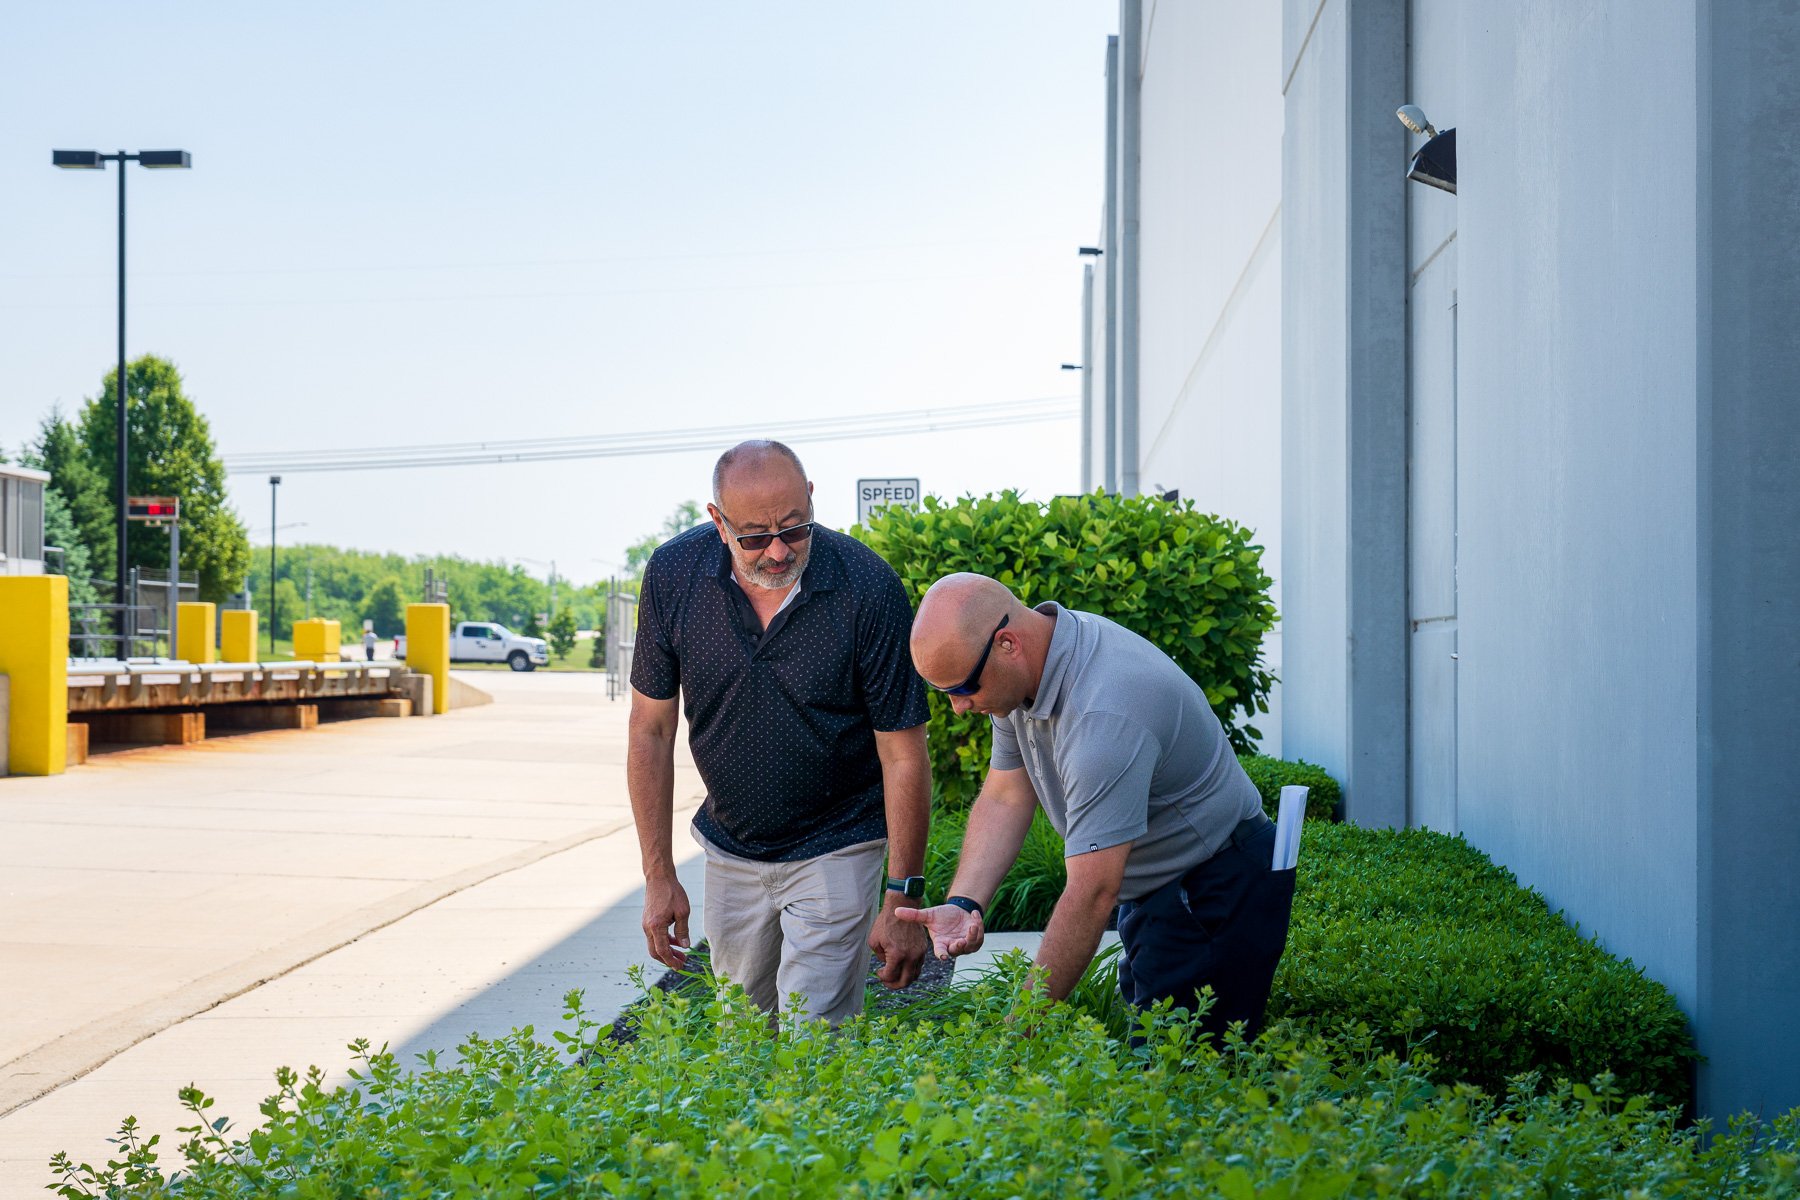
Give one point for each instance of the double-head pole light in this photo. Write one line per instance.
(93, 160)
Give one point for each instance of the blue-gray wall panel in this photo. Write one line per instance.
(1749, 555)
(1314, 229)
(1576, 598)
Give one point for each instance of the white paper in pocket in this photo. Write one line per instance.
(1287, 828)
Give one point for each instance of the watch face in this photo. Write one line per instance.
(913, 886)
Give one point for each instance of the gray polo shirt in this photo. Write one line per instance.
(1120, 746)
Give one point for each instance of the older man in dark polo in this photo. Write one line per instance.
(1121, 750)
(788, 645)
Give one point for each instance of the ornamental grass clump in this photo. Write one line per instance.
(1042, 1105)
(1191, 583)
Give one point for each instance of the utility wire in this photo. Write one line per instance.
(980, 416)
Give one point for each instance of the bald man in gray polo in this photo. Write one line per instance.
(1120, 749)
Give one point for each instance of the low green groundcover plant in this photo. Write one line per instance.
(1045, 1104)
(1190, 582)
(1421, 936)
(1270, 775)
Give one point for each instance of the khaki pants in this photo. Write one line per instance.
(785, 928)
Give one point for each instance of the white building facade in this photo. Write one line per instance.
(1522, 456)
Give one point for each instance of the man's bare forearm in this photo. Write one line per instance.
(1070, 940)
(906, 786)
(650, 778)
(997, 827)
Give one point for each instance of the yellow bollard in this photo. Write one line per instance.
(428, 649)
(34, 613)
(318, 640)
(194, 624)
(237, 635)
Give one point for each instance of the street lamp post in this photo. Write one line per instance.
(274, 483)
(93, 160)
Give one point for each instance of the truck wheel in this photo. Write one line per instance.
(517, 661)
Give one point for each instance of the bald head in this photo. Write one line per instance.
(959, 622)
(759, 461)
(959, 612)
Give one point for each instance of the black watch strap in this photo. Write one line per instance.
(966, 904)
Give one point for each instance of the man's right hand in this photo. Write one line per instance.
(953, 930)
(666, 909)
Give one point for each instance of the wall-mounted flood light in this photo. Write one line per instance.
(1435, 163)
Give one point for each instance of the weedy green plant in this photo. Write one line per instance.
(1270, 775)
(1011, 1098)
(1191, 583)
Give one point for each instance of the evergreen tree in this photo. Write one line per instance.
(562, 632)
(171, 454)
(386, 606)
(83, 493)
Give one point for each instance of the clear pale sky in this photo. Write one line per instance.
(414, 222)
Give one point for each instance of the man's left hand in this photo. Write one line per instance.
(900, 947)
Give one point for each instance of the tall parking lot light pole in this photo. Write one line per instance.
(274, 484)
(93, 160)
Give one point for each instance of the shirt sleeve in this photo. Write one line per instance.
(655, 668)
(892, 691)
(1106, 764)
(1005, 755)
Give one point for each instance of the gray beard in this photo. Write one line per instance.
(778, 584)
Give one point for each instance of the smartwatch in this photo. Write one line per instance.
(912, 887)
(966, 904)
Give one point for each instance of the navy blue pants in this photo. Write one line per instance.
(1223, 924)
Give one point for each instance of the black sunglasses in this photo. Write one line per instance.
(972, 684)
(793, 535)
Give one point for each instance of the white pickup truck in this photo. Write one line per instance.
(484, 641)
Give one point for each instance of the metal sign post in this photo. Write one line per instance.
(872, 494)
(163, 510)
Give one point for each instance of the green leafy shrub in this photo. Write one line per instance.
(969, 1108)
(1270, 775)
(1193, 584)
(1422, 936)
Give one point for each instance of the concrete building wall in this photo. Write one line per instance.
(1748, 828)
(1313, 363)
(1209, 283)
(1576, 255)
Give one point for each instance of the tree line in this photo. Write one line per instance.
(172, 453)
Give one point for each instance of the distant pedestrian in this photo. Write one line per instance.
(369, 643)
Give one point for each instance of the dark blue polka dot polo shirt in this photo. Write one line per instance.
(782, 722)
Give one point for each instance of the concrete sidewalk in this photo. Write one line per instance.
(151, 885)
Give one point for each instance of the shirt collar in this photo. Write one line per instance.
(1056, 662)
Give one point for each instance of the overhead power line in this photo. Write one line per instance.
(666, 441)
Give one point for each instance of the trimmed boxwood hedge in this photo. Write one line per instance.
(1270, 775)
(969, 1108)
(1425, 939)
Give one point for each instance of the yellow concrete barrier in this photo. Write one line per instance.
(34, 653)
(194, 625)
(428, 649)
(318, 640)
(237, 635)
